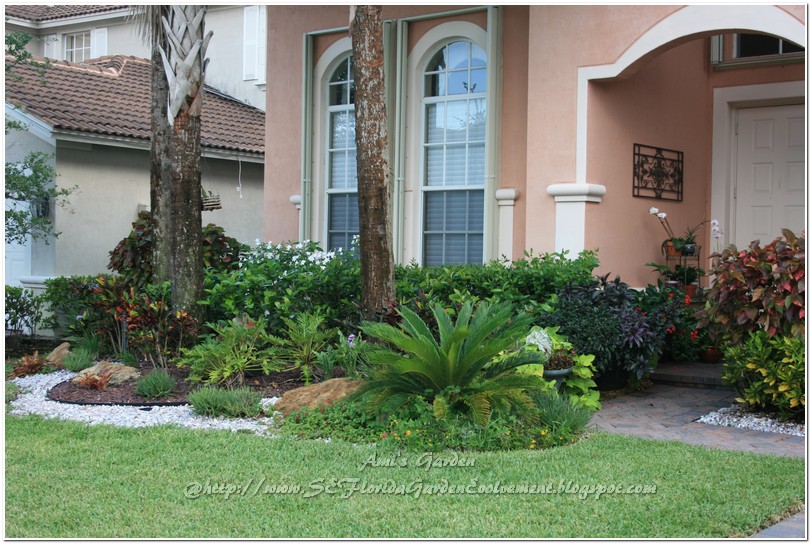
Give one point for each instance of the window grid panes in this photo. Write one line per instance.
(77, 47)
(342, 176)
(758, 45)
(454, 147)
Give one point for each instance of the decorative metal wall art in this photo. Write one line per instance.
(658, 173)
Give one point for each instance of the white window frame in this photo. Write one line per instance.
(69, 53)
(413, 216)
(334, 55)
(446, 100)
(327, 135)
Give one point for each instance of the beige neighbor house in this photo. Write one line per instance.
(94, 118)
(76, 33)
(545, 128)
(93, 115)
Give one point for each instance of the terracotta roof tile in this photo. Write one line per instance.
(47, 13)
(110, 96)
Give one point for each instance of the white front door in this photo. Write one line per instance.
(18, 256)
(769, 186)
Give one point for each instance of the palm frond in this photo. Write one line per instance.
(479, 406)
(423, 347)
(513, 360)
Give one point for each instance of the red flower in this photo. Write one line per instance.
(693, 335)
(687, 299)
(670, 295)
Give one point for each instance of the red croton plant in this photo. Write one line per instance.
(759, 288)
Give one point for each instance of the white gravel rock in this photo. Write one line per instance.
(736, 416)
(33, 400)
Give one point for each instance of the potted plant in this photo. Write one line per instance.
(673, 247)
(672, 244)
(708, 338)
(689, 239)
(688, 276)
(684, 276)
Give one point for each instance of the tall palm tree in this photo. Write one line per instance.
(374, 198)
(179, 44)
(149, 19)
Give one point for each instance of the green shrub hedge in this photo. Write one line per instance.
(769, 373)
(284, 280)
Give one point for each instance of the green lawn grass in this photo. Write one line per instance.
(65, 479)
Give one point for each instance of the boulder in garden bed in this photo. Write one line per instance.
(118, 373)
(58, 355)
(310, 396)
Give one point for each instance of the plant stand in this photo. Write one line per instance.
(684, 261)
(558, 375)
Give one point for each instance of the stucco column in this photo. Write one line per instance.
(570, 213)
(506, 198)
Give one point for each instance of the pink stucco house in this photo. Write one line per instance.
(519, 127)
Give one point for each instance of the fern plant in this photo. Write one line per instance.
(304, 338)
(469, 369)
(239, 346)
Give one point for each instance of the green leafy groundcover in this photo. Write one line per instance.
(65, 479)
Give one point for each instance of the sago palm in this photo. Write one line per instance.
(469, 369)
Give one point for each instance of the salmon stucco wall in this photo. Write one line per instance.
(664, 104)
(664, 99)
(514, 97)
(561, 39)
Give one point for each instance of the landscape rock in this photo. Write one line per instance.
(118, 373)
(323, 393)
(56, 357)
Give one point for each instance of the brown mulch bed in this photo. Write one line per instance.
(272, 385)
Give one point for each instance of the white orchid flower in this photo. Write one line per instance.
(661, 215)
(653, 211)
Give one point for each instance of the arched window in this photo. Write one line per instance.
(341, 171)
(454, 109)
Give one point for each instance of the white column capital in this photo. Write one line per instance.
(507, 196)
(576, 192)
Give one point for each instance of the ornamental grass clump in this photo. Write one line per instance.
(215, 401)
(156, 384)
(79, 358)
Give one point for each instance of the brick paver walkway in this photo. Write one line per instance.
(667, 412)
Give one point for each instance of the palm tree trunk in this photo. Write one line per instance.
(374, 198)
(184, 66)
(160, 158)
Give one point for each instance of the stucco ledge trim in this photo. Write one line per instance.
(576, 192)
